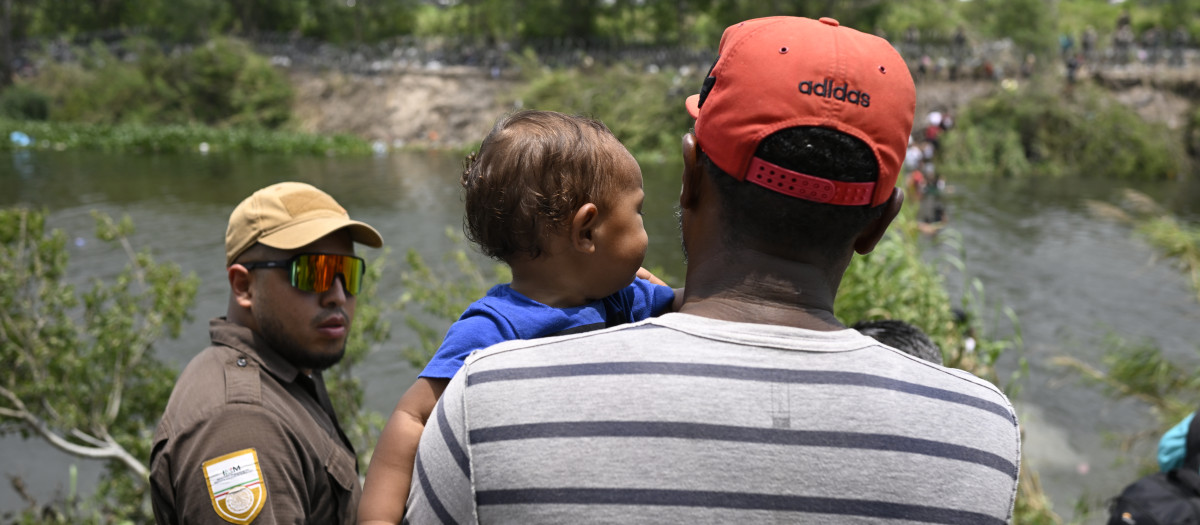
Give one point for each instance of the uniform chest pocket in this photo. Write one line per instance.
(343, 481)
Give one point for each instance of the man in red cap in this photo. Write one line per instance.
(753, 403)
(249, 434)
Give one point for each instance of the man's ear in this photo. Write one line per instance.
(688, 194)
(867, 240)
(239, 285)
(583, 227)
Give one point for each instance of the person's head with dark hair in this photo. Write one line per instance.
(801, 130)
(827, 228)
(532, 172)
(559, 199)
(901, 336)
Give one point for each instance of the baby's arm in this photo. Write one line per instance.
(677, 303)
(385, 491)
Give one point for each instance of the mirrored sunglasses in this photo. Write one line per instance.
(315, 272)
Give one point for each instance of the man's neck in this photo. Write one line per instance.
(765, 290)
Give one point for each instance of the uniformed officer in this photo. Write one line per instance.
(249, 434)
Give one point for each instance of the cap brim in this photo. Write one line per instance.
(693, 106)
(308, 232)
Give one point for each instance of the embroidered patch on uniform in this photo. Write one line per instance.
(236, 486)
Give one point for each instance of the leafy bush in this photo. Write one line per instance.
(1039, 129)
(644, 110)
(221, 82)
(98, 89)
(23, 103)
(260, 96)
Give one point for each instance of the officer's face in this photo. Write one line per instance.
(309, 329)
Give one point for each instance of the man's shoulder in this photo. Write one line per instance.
(202, 380)
(217, 382)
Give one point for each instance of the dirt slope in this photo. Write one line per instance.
(449, 107)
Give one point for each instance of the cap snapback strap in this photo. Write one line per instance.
(807, 187)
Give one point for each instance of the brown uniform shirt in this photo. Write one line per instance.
(247, 438)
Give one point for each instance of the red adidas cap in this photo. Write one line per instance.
(782, 72)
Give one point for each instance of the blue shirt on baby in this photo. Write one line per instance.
(504, 314)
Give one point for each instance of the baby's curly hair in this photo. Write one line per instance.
(532, 172)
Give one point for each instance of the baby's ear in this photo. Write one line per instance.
(583, 226)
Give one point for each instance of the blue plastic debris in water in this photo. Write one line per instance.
(20, 139)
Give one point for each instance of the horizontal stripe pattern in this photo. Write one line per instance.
(709, 421)
(745, 373)
(732, 500)
(677, 430)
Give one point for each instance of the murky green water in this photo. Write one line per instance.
(1069, 277)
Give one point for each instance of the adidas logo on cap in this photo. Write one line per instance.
(842, 92)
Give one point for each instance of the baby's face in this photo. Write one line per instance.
(620, 238)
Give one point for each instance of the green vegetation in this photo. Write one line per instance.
(1032, 24)
(24, 103)
(895, 282)
(432, 298)
(218, 97)
(1138, 370)
(220, 83)
(643, 109)
(1038, 129)
(178, 138)
(372, 328)
(81, 372)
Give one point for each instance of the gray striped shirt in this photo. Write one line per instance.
(686, 419)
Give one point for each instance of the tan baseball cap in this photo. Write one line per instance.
(290, 215)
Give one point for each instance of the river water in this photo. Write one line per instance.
(1070, 278)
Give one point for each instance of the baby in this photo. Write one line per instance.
(559, 200)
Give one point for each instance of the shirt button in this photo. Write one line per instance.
(241, 362)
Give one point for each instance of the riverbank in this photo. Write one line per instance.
(455, 107)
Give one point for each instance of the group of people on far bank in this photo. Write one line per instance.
(587, 390)
(922, 180)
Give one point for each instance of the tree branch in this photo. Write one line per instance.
(108, 448)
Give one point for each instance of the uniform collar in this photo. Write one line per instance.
(245, 340)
